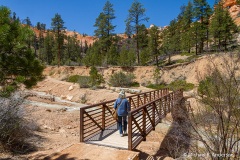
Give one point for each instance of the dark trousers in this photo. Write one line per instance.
(122, 124)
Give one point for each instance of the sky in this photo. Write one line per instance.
(80, 15)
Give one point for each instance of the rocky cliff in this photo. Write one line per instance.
(89, 39)
(234, 10)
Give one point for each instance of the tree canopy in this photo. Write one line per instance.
(18, 64)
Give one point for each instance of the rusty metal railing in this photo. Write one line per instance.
(96, 118)
(142, 120)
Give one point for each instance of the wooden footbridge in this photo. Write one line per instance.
(97, 125)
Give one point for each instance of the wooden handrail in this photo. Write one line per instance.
(105, 110)
(152, 114)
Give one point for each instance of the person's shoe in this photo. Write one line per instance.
(125, 132)
(121, 135)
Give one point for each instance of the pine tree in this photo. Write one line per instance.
(72, 49)
(104, 27)
(202, 13)
(127, 56)
(112, 55)
(154, 41)
(48, 49)
(222, 27)
(142, 37)
(135, 17)
(58, 28)
(27, 21)
(17, 62)
(171, 39)
(186, 32)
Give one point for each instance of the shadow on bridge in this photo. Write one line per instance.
(104, 134)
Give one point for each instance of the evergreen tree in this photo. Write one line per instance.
(27, 21)
(145, 56)
(93, 56)
(222, 27)
(135, 17)
(154, 41)
(142, 37)
(186, 32)
(202, 13)
(48, 49)
(112, 55)
(95, 78)
(127, 56)
(104, 27)
(58, 28)
(17, 61)
(171, 39)
(72, 49)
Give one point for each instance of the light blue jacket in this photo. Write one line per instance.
(123, 108)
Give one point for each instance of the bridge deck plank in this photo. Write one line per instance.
(111, 138)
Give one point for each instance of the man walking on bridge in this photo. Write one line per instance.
(123, 107)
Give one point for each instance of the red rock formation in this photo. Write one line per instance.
(233, 9)
(229, 3)
(88, 39)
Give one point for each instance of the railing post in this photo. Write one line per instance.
(144, 124)
(154, 122)
(130, 101)
(160, 110)
(138, 100)
(165, 106)
(129, 131)
(103, 116)
(168, 104)
(81, 125)
(145, 98)
(150, 96)
(154, 95)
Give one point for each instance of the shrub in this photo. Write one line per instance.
(180, 84)
(121, 79)
(84, 81)
(73, 78)
(156, 86)
(7, 91)
(13, 131)
(95, 78)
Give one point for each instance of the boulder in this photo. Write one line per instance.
(70, 88)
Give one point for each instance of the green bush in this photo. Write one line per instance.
(7, 90)
(156, 86)
(84, 81)
(73, 78)
(205, 86)
(180, 84)
(95, 78)
(121, 79)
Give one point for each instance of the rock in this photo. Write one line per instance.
(63, 109)
(49, 110)
(69, 97)
(46, 127)
(135, 91)
(229, 3)
(69, 127)
(70, 88)
(62, 130)
(63, 97)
